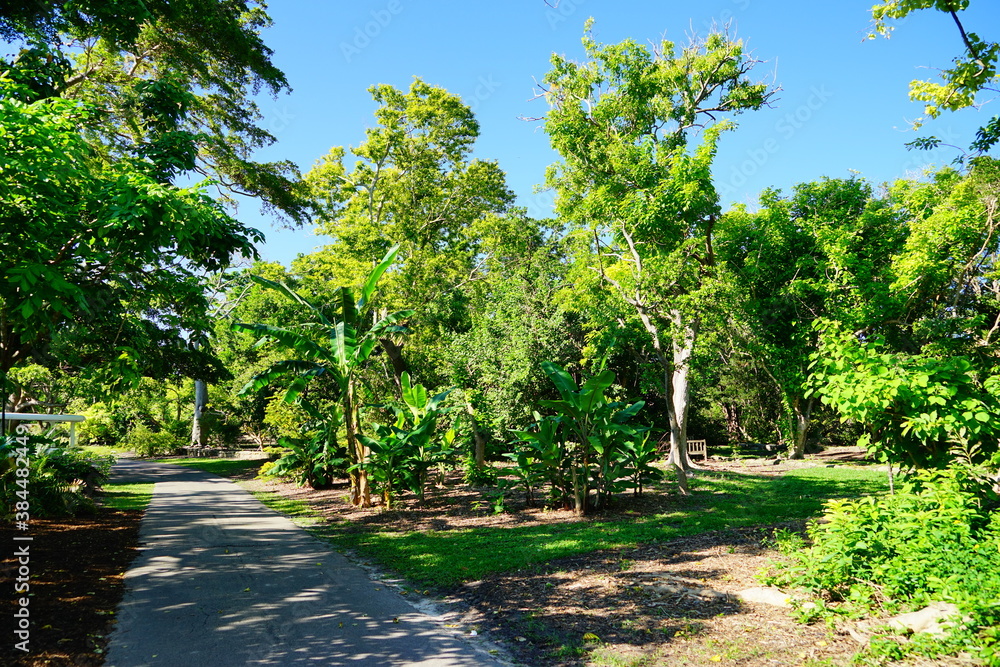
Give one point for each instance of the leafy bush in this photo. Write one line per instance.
(314, 460)
(587, 445)
(474, 475)
(145, 442)
(402, 453)
(59, 481)
(936, 539)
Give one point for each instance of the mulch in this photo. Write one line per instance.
(76, 581)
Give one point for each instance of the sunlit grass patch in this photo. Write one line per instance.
(720, 501)
(127, 496)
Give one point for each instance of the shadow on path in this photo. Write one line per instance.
(221, 580)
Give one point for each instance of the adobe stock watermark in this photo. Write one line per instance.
(560, 11)
(919, 161)
(364, 35)
(786, 128)
(485, 87)
(22, 546)
(279, 120)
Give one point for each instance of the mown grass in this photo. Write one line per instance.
(719, 501)
(298, 511)
(127, 496)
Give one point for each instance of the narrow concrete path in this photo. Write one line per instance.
(223, 581)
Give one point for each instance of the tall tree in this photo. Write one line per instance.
(413, 185)
(824, 251)
(173, 81)
(627, 124)
(100, 258)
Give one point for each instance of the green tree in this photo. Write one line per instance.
(824, 251)
(413, 185)
(174, 83)
(920, 370)
(102, 262)
(632, 171)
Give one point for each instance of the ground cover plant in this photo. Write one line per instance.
(936, 539)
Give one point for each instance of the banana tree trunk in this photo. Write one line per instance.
(360, 490)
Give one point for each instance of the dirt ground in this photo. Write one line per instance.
(668, 603)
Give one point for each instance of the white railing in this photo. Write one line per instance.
(29, 417)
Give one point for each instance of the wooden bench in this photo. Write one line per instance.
(698, 447)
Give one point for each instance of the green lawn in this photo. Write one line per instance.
(719, 501)
(127, 496)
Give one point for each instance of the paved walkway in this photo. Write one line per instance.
(221, 581)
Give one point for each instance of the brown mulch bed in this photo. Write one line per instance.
(76, 582)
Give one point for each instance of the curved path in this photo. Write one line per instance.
(221, 580)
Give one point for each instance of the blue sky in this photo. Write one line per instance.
(843, 104)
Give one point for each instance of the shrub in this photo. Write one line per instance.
(59, 481)
(935, 539)
(146, 442)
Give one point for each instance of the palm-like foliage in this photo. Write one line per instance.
(346, 344)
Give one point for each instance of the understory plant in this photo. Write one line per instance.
(316, 458)
(401, 454)
(936, 539)
(587, 446)
(58, 481)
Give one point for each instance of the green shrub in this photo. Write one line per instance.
(935, 539)
(59, 481)
(474, 475)
(146, 442)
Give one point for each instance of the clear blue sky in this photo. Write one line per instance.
(843, 104)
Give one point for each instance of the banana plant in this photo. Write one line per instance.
(402, 453)
(584, 441)
(341, 354)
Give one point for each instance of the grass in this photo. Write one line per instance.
(720, 501)
(298, 511)
(127, 496)
(103, 450)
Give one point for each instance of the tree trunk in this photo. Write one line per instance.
(477, 436)
(395, 354)
(198, 435)
(360, 491)
(679, 393)
(800, 426)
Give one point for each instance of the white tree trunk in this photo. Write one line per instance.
(198, 435)
(800, 426)
(679, 392)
